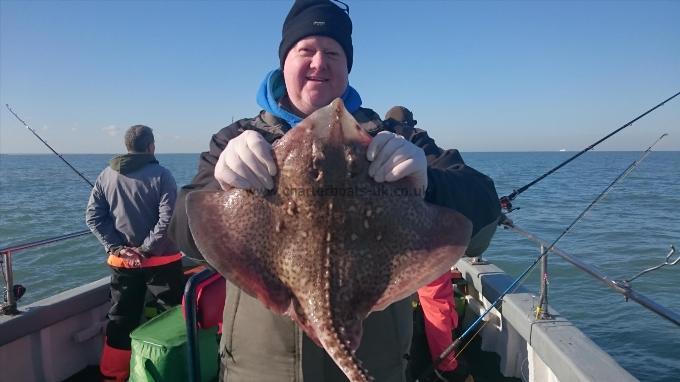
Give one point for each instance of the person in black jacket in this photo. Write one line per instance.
(316, 56)
(435, 318)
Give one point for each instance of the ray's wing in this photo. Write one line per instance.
(228, 228)
(427, 241)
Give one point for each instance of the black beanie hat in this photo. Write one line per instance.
(316, 18)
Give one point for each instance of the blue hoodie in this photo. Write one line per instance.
(273, 88)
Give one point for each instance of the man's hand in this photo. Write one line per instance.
(132, 257)
(246, 163)
(393, 158)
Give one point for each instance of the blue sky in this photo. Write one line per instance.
(479, 76)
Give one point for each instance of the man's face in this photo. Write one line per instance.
(315, 71)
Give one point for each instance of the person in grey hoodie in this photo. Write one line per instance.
(129, 211)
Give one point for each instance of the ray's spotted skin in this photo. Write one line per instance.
(328, 245)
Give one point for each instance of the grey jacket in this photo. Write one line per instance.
(133, 209)
(259, 345)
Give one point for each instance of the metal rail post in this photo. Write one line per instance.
(542, 308)
(10, 305)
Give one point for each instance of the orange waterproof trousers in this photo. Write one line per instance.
(441, 319)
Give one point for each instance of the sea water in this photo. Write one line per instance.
(630, 230)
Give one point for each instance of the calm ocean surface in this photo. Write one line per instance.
(630, 230)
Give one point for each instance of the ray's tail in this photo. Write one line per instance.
(338, 347)
(335, 336)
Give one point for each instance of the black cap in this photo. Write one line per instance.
(401, 114)
(316, 18)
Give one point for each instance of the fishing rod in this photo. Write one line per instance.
(506, 201)
(457, 343)
(48, 146)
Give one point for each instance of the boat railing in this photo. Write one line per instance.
(8, 304)
(11, 293)
(620, 286)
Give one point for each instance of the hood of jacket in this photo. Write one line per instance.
(127, 163)
(273, 88)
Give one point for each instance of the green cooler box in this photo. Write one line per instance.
(159, 350)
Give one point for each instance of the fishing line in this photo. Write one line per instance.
(48, 146)
(506, 201)
(515, 284)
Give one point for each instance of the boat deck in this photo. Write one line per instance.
(59, 338)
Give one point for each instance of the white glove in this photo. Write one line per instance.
(246, 163)
(392, 157)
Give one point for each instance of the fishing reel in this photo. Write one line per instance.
(18, 291)
(506, 204)
(10, 309)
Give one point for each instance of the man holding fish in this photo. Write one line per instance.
(259, 344)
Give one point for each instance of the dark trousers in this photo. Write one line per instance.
(419, 356)
(128, 294)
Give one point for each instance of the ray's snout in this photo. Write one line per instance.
(335, 123)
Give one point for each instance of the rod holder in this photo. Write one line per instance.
(668, 261)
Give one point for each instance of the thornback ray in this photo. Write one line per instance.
(328, 245)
